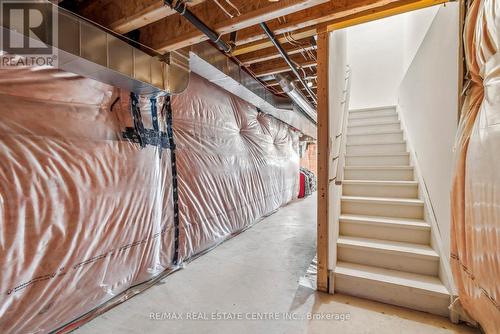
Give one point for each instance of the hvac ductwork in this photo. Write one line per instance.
(210, 63)
(287, 59)
(296, 95)
(83, 48)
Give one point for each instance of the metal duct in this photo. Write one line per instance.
(296, 95)
(88, 50)
(210, 63)
(287, 59)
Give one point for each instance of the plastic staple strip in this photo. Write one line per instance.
(168, 108)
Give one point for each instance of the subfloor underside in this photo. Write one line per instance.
(255, 276)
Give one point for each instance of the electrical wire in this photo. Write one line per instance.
(301, 45)
(223, 9)
(289, 37)
(304, 54)
(232, 5)
(238, 13)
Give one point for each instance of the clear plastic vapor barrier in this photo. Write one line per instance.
(475, 229)
(102, 191)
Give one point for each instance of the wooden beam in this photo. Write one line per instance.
(271, 52)
(175, 32)
(277, 66)
(323, 149)
(302, 89)
(265, 43)
(313, 87)
(391, 7)
(123, 16)
(273, 82)
(312, 17)
(310, 77)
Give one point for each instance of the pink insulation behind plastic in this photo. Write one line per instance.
(86, 214)
(475, 229)
(236, 165)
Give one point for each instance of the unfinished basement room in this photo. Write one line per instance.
(262, 166)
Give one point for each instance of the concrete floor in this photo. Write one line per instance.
(256, 275)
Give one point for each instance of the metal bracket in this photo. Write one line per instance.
(167, 107)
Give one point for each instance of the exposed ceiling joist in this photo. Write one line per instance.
(271, 53)
(174, 32)
(277, 66)
(389, 10)
(312, 16)
(265, 43)
(295, 23)
(302, 89)
(376, 9)
(124, 16)
(273, 83)
(297, 59)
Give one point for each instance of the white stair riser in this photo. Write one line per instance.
(394, 160)
(392, 294)
(379, 174)
(382, 209)
(372, 113)
(383, 138)
(382, 148)
(383, 190)
(389, 260)
(372, 120)
(356, 130)
(385, 232)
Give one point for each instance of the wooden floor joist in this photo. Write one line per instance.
(391, 9)
(372, 11)
(124, 16)
(313, 88)
(271, 53)
(313, 16)
(265, 43)
(277, 66)
(175, 32)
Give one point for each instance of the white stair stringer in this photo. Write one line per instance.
(384, 248)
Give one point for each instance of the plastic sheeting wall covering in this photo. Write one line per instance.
(86, 214)
(475, 228)
(246, 163)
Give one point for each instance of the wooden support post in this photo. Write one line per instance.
(323, 149)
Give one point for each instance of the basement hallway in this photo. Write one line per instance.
(254, 275)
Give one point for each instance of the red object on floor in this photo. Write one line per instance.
(302, 186)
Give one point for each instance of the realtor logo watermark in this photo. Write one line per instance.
(29, 33)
